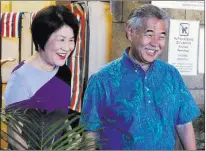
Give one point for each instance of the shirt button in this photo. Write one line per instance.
(149, 101)
(135, 70)
(146, 78)
(147, 89)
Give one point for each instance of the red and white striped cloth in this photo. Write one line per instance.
(11, 24)
(77, 61)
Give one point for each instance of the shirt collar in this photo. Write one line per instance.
(130, 61)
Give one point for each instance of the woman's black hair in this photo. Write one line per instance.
(50, 19)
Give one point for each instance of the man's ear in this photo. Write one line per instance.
(128, 30)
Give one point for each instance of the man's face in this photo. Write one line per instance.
(148, 41)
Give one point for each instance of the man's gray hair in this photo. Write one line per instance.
(136, 17)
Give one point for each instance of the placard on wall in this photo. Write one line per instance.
(183, 46)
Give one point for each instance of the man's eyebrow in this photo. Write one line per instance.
(164, 33)
(149, 30)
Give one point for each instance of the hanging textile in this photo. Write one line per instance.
(11, 24)
(32, 17)
(77, 62)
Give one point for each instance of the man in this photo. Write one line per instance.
(141, 101)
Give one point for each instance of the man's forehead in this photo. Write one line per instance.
(153, 24)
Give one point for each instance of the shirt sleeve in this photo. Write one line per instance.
(93, 99)
(16, 89)
(188, 109)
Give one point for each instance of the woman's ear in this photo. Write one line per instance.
(128, 32)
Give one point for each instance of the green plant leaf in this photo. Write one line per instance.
(40, 133)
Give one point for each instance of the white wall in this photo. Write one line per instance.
(100, 38)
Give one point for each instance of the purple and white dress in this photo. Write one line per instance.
(29, 87)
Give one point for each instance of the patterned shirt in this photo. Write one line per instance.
(137, 110)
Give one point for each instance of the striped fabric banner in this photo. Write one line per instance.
(11, 24)
(77, 61)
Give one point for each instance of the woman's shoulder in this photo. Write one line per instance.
(18, 66)
(16, 88)
(21, 71)
(18, 72)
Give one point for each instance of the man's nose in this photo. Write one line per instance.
(154, 42)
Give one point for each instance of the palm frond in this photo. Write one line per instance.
(44, 132)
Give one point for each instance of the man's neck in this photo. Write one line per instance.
(144, 66)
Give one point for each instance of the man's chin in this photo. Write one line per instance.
(149, 61)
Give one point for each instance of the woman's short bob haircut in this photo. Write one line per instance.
(50, 19)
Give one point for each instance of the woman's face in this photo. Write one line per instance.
(59, 46)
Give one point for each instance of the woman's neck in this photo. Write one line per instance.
(38, 62)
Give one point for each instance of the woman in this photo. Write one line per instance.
(44, 81)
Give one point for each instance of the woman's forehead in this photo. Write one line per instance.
(65, 31)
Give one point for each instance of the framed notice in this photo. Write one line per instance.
(183, 46)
